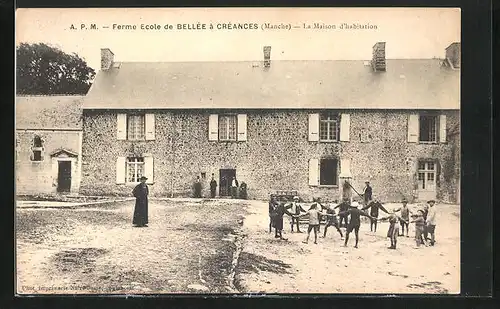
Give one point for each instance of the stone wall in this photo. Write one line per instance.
(274, 157)
(41, 177)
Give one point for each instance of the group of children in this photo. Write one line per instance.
(349, 216)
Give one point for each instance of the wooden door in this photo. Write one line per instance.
(64, 176)
(427, 173)
(225, 179)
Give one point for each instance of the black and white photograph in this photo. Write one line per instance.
(237, 151)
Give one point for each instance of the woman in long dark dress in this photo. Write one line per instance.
(140, 193)
(278, 220)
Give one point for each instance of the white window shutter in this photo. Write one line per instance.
(442, 128)
(345, 127)
(150, 127)
(413, 128)
(242, 127)
(313, 172)
(345, 168)
(149, 169)
(121, 126)
(213, 127)
(313, 127)
(120, 170)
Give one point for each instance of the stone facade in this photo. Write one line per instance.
(41, 177)
(275, 155)
(56, 120)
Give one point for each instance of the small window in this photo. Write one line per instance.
(136, 127)
(228, 127)
(203, 175)
(328, 172)
(329, 127)
(428, 129)
(135, 169)
(37, 149)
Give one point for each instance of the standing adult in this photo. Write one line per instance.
(234, 188)
(140, 193)
(273, 206)
(197, 187)
(425, 231)
(278, 220)
(431, 220)
(374, 206)
(213, 186)
(367, 193)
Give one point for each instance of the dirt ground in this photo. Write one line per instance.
(206, 246)
(274, 266)
(187, 248)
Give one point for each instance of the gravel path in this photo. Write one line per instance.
(187, 248)
(268, 265)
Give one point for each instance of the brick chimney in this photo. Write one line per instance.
(453, 55)
(267, 56)
(378, 60)
(107, 58)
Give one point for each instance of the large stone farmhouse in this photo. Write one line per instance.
(48, 144)
(276, 125)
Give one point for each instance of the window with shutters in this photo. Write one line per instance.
(37, 149)
(135, 169)
(328, 172)
(428, 128)
(329, 127)
(136, 127)
(228, 125)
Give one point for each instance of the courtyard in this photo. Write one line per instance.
(218, 246)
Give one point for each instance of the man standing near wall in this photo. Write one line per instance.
(197, 187)
(367, 193)
(234, 188)
(213, 186)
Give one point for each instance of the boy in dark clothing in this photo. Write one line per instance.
(419, 228)
(374, 206)
(343, 208)
(331, 220)
(355, 222)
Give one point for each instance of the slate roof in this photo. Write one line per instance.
(46, 112)
(407, 84)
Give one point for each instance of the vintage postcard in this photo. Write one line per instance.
(238, 150)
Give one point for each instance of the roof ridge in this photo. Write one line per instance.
(281, 60)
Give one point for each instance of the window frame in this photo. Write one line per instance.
(37, 148)
(227, 116)
(336, 177)
(329, 122)
(436, 128)
(135, 164)
(143, 126)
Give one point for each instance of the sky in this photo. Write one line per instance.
(408, 32)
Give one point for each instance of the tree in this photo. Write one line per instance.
(46, 70)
